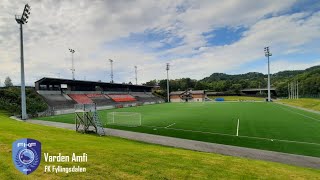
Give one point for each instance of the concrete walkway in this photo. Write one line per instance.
(297, 160)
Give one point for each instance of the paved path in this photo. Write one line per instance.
(297, 160)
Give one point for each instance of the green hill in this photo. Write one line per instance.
(309, 80)
(115, 158)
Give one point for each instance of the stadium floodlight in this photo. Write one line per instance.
(168, 93)
(268, 54)
(136, 74)
(72, 66)
(111, 73)
(23, 20)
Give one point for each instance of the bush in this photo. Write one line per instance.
(10, 100)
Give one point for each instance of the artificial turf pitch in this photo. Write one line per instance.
(267, 126)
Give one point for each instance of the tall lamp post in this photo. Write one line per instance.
(72, 66)
(168, 93)
(268, 54)
(23, 20)
(136, 74)
(111, 74)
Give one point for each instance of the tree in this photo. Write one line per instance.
(152, 83)
(236, 88)
(8, 82)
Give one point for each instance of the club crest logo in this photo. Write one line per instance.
(26, 155)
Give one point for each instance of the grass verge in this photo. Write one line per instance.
(308, 103)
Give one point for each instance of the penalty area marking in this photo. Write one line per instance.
(170, 125)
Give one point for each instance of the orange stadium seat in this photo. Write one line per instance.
(81, 98)
(122, 98)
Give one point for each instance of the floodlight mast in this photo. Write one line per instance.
(136, 74)
(268, 54)
(168, 93)
(111, 74)
(72, 66)
(23, 20)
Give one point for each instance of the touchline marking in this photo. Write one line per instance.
(222, 134)
(299, 114)
(282, 140)
(238, 124)
(188, 130)
(170, 125)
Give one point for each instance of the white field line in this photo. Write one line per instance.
(300, 114)
(188, 130)
(170, 125)
(281, 140)
(238, 124)
(222, 134)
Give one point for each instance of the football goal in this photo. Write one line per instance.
(132, 119)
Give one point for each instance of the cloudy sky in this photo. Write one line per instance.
(197, 37)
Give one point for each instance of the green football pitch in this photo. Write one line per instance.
(259, 125)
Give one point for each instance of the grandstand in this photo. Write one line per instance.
(122, 97)
(62, 94)
(58, 100)
(81, 98)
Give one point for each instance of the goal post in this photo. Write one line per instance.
(132, 119)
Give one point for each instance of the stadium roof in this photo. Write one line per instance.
(47, 80)
(192, 92)
(258, 89)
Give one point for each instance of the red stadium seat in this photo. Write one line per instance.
(122, 97)
(81, 98)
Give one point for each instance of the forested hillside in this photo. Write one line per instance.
(309, 82)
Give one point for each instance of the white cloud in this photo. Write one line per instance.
(90, 27)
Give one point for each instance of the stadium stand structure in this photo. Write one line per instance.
(81, 98)
(61, 95)
(100, 99)
(122, 97)
(58, 101)
(146, 97)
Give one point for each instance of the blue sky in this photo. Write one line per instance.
(223, 36)
(197, 38)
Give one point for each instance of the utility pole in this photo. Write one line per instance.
(111, 74)
(22, 20)
(72, 66)
(292, 90)
(292, 94)
(136, 73)
(168, 91)
(289, 91)
(268, 54)
(297, 90)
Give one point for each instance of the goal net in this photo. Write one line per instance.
(132, 119)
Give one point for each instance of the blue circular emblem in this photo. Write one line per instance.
(26, 156)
